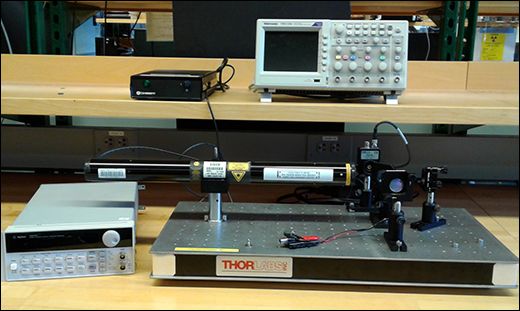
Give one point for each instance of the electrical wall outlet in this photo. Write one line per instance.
(328, 148)
(106, 140)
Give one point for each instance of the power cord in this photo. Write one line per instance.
(6, 38)
(104, 154)
(428, 41)
(223, 85)
(217, 135)
(403, 137)
(135, 24)
(332, 195)
(179, 155)
(293, 240)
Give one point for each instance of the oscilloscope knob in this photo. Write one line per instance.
(338, 66)
(111, 238)
(340, 29)
(382, 66)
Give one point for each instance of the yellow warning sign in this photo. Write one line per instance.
(238, 175)
(493, 46)
(238, 166)
(238, 169)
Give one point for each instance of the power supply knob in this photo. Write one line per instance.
(382, 66)
(398, 66)
(367, 66)
(352, 66)
(338, 66)
(340, 29)
(186, 85)
(111, 238)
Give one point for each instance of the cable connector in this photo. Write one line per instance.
(303, 244)
(292, 240)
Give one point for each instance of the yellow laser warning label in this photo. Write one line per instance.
(493, 46)
(238, 175)
(238, 166)
(238, 169)
(207, 249)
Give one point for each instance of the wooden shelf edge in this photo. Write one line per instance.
(266, 112)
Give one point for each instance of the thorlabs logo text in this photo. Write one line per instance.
(254, 266)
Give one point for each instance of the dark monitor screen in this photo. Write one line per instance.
(291, 51)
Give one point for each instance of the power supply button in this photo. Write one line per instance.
(186, 84)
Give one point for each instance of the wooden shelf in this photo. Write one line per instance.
(241, 104)
(498, 8)
(438, 92)
(148, 6)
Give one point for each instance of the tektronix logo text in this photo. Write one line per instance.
(254, 266)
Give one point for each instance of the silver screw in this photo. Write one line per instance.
(398, 243)
(455, 245)
(248, 244)
(397, 207)
(481, 242)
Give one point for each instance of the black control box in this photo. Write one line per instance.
(192, 85)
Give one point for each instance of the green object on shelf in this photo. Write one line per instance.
(35, 25)
(449, 29)
(471, 31)
(457, 44)
(458, 36)
(49, 28)
(60, 28)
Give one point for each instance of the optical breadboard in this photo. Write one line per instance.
(245, 247)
